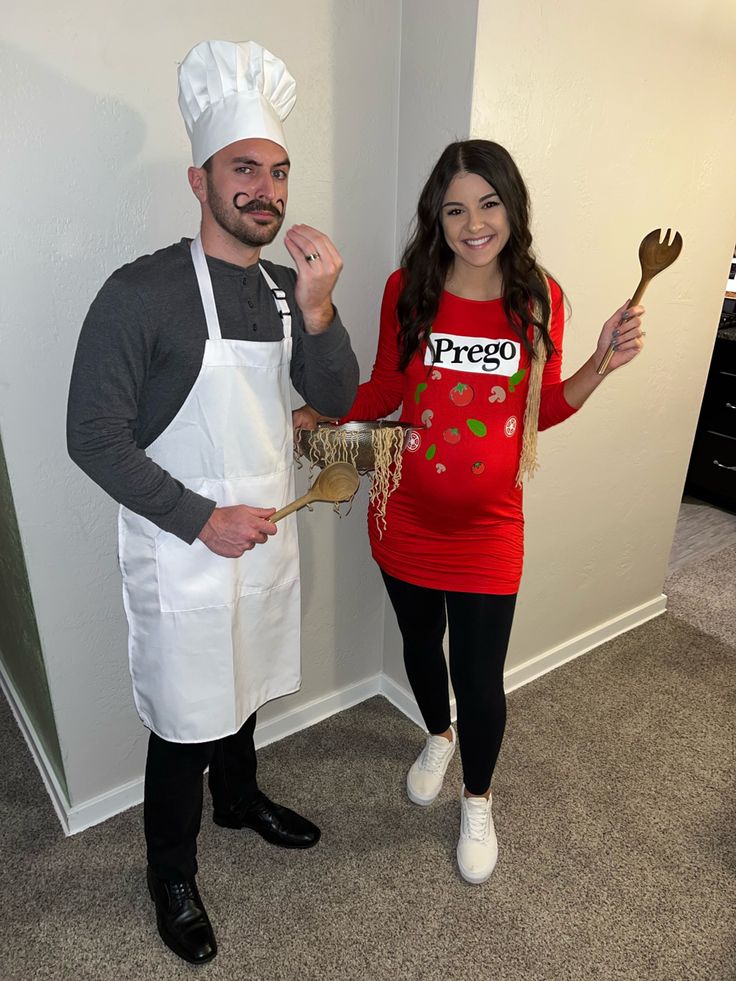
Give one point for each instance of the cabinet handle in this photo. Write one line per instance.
(729, 406)
(722, 465)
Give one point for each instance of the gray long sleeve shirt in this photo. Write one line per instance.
(139, 354)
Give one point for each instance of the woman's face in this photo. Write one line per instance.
(475, 221)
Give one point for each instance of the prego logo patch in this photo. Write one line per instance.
(477, 354)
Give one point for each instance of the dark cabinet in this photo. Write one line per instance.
(711, 475)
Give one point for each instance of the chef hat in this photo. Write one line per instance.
(232, 91)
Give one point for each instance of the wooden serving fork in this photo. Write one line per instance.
(654, 256)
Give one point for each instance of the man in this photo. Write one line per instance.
(179, 407)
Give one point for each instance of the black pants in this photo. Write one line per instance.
(480, 626)
(173, 795)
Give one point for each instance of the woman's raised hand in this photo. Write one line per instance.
(624, 331)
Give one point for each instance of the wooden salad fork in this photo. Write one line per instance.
(654, 256)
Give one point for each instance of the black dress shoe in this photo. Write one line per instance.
(277, 824)
(182, 919)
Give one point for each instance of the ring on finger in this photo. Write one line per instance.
(312, 256)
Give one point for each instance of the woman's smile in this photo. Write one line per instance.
(477, 243)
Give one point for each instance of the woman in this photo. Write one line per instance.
(470, 346)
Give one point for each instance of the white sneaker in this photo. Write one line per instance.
(477, 849)
(424, 779)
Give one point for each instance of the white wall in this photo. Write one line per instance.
(95, 158)
(435, 92)
(622, 119)
(617, 130)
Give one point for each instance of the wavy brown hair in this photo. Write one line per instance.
(428, 258)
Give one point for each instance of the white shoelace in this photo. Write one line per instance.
(435, 753)
(476, 818)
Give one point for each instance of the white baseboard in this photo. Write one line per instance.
(131, 794)
(535, 667)
(98, 809)
(107, 805)
(315, 711)
(402, 699)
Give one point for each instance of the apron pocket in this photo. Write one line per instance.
(192, 577)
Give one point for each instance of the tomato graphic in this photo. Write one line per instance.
(478, 468)
(451, 436)
(461, 394)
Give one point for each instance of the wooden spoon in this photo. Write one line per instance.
(654, 256)
(335, 483)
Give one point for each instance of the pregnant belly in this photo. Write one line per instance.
(459, 486)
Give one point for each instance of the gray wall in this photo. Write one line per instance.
(20, 647)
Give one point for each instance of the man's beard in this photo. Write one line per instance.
(227, 217)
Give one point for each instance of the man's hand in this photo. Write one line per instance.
(318, 265)
(305, 417)
(233, 530)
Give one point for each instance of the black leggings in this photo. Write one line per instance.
(480, 625)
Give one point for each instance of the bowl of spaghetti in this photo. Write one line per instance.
(371, 447)
(364, 444)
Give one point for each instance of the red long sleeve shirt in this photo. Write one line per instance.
(456, 520)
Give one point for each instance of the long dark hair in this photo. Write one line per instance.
(427, 257)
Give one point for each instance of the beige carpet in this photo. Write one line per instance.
(615, 816)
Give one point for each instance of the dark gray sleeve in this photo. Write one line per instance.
(324, 369)
(113, 358)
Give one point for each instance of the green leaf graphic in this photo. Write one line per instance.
(418, 393)
(477, 427)
(431, 451)
(516, 379)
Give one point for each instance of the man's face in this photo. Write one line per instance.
(247, 189)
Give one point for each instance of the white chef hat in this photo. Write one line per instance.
(232, 91)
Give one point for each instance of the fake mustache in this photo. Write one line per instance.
(256, 205)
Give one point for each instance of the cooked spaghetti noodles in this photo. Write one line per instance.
(328, 445)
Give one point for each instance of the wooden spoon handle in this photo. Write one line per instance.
(300, 502)
(639, 292)
(636, 298)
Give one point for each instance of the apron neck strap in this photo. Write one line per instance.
(205, 290)
(208, 297)
(279, 298)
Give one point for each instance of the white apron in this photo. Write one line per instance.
(212, 639)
